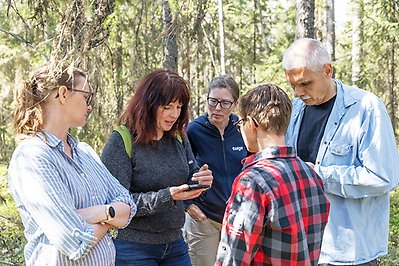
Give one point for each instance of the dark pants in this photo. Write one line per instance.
(140, 254)
(370, 263)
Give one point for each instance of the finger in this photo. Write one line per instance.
(203, 173)
(204, 167)
(183, 187)
(203, 179)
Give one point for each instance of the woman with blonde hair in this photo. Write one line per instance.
(66, 197)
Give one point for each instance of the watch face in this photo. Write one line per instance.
(111, 212)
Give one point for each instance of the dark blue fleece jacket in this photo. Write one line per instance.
(223, 154)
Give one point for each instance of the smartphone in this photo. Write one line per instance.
(197, 186)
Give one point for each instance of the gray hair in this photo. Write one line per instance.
(308, 53)
(225, 82)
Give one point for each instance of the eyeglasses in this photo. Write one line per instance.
(214, 102)
(89, 98)
(241, 121)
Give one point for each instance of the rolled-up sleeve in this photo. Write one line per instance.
(47, 201)
(116, 191)
(374, 168)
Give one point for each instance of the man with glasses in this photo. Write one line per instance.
(277, 210)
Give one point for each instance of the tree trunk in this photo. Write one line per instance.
(221, 35)
(356, 41)
(118, 72)
(169, 38)
(330, 29)
(78, 35)
(391, 82)
(262, 27)
(254, 48)
(304, 19)
(209, 46)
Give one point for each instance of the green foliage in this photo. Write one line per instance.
(12, 240)
(393, 245)
(28, 30)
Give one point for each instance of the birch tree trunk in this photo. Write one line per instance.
(304, 19)
(356, 40)
(169, 38)
(330, 28)
(221, 35)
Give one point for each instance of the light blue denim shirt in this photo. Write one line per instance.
(48, 187)
(359, 163)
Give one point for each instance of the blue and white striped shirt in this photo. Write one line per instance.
(48, 187)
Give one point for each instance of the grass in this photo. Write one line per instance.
(12, 239)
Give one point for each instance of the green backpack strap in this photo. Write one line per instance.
(178, 137)
(126, 137)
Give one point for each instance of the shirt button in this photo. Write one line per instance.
(82, 174)
(325, 142)
(76, 234)
(318, 162)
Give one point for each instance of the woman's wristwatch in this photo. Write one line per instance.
(109, 213)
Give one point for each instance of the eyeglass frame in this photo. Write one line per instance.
(241, 121)
(219, 102)
(88, 99)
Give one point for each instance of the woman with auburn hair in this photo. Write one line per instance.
(66, 197)
(157, 171)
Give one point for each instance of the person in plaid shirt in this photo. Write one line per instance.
(277, 211)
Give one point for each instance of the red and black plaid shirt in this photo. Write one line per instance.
(276, 213)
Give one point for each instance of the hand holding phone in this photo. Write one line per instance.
(197, 186)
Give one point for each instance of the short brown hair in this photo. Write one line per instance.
(225, 82)
(269, 105)
(156, 89)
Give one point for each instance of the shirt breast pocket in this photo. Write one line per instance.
(339, 153)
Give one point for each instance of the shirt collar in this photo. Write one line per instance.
(52, 141)
(269, 153)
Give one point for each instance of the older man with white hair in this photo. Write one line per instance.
(345, 133)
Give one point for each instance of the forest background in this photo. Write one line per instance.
(118, 42)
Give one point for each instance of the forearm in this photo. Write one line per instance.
(153, 202)
(93, 214)
(353, 182)
(122, 212)
(97, 214)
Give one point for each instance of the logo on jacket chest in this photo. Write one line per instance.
(237, 148)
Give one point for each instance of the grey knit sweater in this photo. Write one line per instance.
(148, 175)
